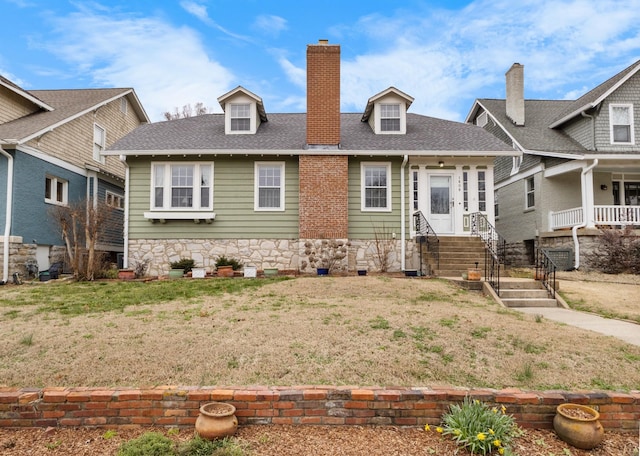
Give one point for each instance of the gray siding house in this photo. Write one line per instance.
(270, 189)
(51, 145)
(578, 168)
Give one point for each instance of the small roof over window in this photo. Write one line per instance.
(379, 96)
(223, 99)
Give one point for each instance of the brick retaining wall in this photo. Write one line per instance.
(329, 405)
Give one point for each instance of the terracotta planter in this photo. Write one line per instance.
(126, 274)
(473, 274)
(216, 419)
(225, 271)
(578, 425)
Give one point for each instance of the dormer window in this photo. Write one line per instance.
(243, 111)
(390, 117)
(240, 117)
(621, 123)
(386, 112)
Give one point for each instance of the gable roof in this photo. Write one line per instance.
(24, 94)
(535, 135)
(371, 102)
(66, 105)
(286, 133)
(261, 111)
(594, 97)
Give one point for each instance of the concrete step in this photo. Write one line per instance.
(523, 293)
(530, 302)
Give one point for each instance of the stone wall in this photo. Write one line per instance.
(284, 254)
(172, 406)
(19, 255)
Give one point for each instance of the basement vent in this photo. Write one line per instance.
(563, 258)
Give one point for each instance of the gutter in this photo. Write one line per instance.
(574, 230)
(125, 231)
(7, 220)
(403, 247)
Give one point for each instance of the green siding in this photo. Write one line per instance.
(233, 203)
(362, 224)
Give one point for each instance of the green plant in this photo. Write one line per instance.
(203, 447)
(479, 428)
(148, 444)
(27, 340)
(109, 434)
(183, 263)
(224, 261)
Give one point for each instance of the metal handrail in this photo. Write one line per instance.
(546, 271)
(426, 234)
(495, 248)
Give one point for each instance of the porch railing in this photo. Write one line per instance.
(495, 248)
(546, 271)
(602, 215)
(426, 235)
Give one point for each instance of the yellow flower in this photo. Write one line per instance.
(439, 430)
(476, 401)
(504, 409)
(491, 431)
(481, 436)
(501, 451)
(494, 410)
(497, 443)
(457, 432)
(426, 427)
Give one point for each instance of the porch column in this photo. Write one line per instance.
(588, 206)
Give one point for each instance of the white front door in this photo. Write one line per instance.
(440, 214)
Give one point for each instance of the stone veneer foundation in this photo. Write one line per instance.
(173, 406)
(284, 254)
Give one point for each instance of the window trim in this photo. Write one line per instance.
(97, 156)
(166, 185)
(528, 191)
(232, 118)
(629, 106)
(398, 118)
(256, 192)
(54, 191)
(114, 197)
(363, 198)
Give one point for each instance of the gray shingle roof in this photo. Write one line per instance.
(288, 132)
(66, 104)
(535, 134)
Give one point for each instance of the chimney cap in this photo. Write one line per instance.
(323, 41)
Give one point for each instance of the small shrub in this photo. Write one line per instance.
(148, 444)
(27, 340)
(224, 261)
(203, 447)
(480, 429)
(183, 263)
(617, 252)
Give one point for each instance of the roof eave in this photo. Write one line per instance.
(292, 152)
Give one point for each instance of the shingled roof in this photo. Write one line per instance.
(67, 105)
(286, 132)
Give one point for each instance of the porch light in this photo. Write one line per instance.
(441, 164)
(603, 187)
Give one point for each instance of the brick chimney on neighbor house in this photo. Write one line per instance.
(323, 171)
(515, 94)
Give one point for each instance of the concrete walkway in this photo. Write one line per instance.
(628, 332)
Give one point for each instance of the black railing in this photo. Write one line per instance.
(546, 272)
(426, 235)
(495, 248)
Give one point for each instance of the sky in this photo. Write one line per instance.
(444, 54)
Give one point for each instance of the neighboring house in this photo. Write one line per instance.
(51, 144)
(267, 189)
(579, 168)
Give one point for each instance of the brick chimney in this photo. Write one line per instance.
(323, 172)
(323, 95)
(515, 94)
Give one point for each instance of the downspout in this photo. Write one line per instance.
(125, 231)
(574, 230)
(7, 220)
(403, 248)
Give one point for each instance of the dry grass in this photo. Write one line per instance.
(367, 331)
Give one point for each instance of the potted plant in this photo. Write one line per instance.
(216, 419)
(180, 268)
(578, 425)
(226, 266)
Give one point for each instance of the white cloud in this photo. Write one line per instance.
(199, 11)
(168, 66)
(270, 25)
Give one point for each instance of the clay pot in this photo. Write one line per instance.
(216, 419)
(474, 274)
(225, 271)
(578, 425)
(126, 274)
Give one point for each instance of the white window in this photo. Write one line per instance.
(530, 201)
(269, 186)
(482, 191)
(415, 190)
(241, 117)
(465, 190)
(56, 190)
(389, 117)
(182, 186)
(496, 206)
(376, 186)
(114, 200)
(621, 123)
(98, 142)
